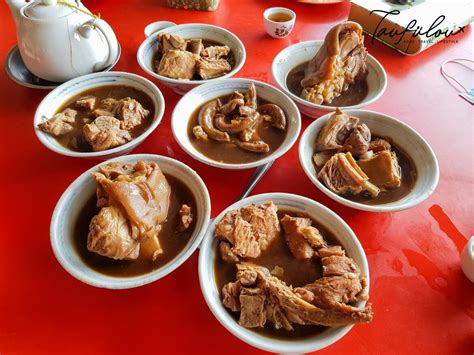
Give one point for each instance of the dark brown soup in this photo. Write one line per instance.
(230, 153)
(75, 140)
(408, 181)
(280, 17)
(296, 272)
(352, 96)
(206, 43)
(172, 241)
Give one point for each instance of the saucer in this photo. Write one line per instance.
(18, 72)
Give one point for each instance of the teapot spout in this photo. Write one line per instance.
(15, 7)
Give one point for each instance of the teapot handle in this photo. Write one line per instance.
(111, 39)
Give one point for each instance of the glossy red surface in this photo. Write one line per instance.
(422, 301)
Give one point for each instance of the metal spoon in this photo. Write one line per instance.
(254, 179)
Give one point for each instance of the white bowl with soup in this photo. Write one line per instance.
(72, 216)
(416, 160)
(103, 86)
(148, 56)
(288, 70)
(214, 272)
(227, 155)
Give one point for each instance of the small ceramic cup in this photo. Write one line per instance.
(275, 27)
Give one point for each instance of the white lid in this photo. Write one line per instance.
(48, 9)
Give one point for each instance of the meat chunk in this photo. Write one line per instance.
(212, 68)
(143, 194)
(110, 235)
(382, 169)
(185, 217)
(331, 250)
(130, 113)
(335, 131)
(105, 133)
(88, 102)
(167, 42)
(230, 296)
(195, 46)
(339, 265)
(276, 113)
(379, 144)
(178, 64)
(320, 158)
(341, 174)
(358, 141)
(298, 245)
(106, 107)
(339, 62)
(199, 133)
(227, 254)
(60, 124)
(250, 229)
(252, 308)
(215, 52)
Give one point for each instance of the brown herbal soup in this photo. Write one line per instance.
(230, 153)
(75, 140)
(171, 240)
(206, 43)
(296, 273)
(354, 95)
(280, 17)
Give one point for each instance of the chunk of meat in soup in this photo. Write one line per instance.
(335, 131)
(178, 64)
(130, 113)
(358, 141)
(185, 217)
(60, 124)
(212, 68)
(382, 169)
(105, 133)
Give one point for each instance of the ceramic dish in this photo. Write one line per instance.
(404, 137)
(302, 52)
(148, 49)
(209, 253)
(56, 98)
(204, 93)
(19, 73)
(77, 194)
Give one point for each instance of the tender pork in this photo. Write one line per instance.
(106, 107)
(320, 158)
(87, 102)
(105, 133)
(335, 131)
(230, 296)
(358, 141)
(143, 194)
(167, 42)
(341, 174)
(227, 254)
(199, 133)
(215, 52)
(185, 218)
(338, 63)
(302, 238)
(130, 113)
(195, 46)
(339, 265)
(250, 229)
(271, 300)
(60, 124)
(379, 144)
(382, 169)
(178, 64)
(212, 68)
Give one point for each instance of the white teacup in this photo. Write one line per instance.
(279, 21)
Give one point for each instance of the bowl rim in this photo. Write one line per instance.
(157, 76)
(217, 164)
(154, 93)
(314, 106)
(248, 336)
(360, 206)
(139, 280)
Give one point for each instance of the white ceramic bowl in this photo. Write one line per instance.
(209, 253)
(303, 52)
(207, 92)
(148, 49)
(79, 192)
(56, 98)
(403, 137)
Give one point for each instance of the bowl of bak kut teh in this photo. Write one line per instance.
(235, 123)
(185, 56)
(368, 161)
(130, 221)
(100, 115)
(284, 273)
(320, 75)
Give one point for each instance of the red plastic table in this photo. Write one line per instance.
(422, 301)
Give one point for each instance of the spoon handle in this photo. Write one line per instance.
(254, 179)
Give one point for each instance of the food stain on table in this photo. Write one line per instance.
(448, 227)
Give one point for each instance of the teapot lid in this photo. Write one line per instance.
(48, 9)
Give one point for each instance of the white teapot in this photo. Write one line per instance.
(61, 40)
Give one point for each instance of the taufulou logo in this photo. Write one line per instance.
(434, 31)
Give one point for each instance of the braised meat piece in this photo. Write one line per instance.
(339, 62)
(331, 250)
(195, 46)
(358, 141)
(320, 158)
(339, 265)
(178, 64)
(105, 133)
(212, 68)
(185, 218)
(298, 245)
(215, 52)
(60, 124)
(199, 133)
(335, 131)
(250, 229)
(341, 174)
(87, 102)
(252, 308)
(143, 195)
(106, 107)
(130, 113)
(379, 144)
(230, 296)
(382, 169)
(167, 42)
(227, 254)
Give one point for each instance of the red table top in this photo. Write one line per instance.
(421, 299)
